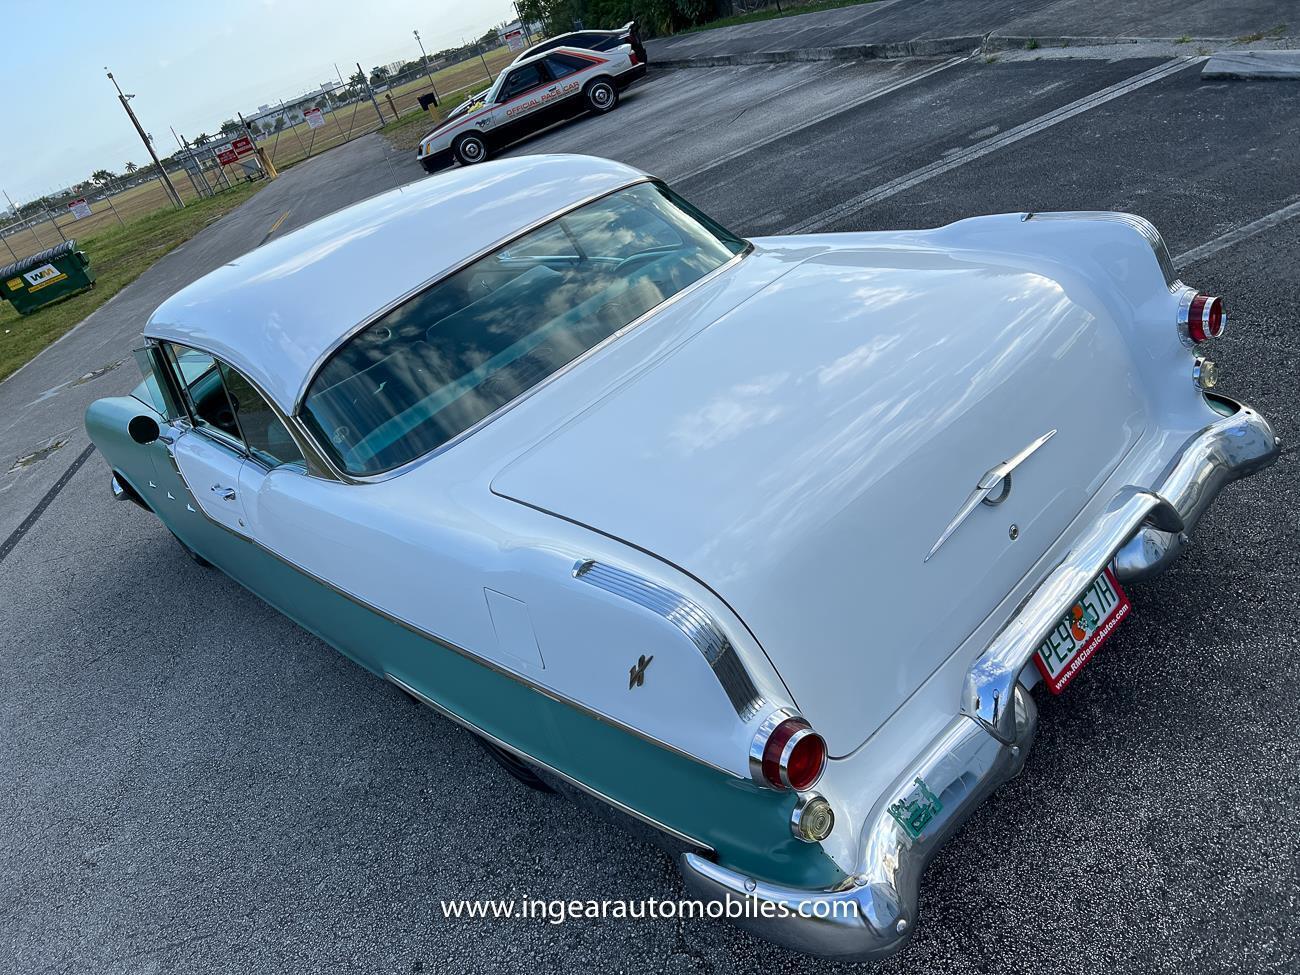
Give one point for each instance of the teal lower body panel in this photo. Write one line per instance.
(746, 826)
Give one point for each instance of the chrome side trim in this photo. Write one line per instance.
(693, 622)
(1227, 450)
(1140, 224)
(551, 769)
(957, 771)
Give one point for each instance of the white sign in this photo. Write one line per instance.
(514, 39)
(43, 275)
(80, 208)
(315, 118)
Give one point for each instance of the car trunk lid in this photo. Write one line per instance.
(802, 455)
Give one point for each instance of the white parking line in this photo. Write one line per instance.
(1238, 235)
(821, 117)
(993, 144)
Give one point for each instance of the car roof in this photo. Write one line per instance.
(553, 43)
(277, 312)
(558, 49)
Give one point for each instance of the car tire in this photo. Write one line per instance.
(470, 149)
(601, 96)
(198, 559)
(516, 767)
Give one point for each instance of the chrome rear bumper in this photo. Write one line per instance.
(873, 914)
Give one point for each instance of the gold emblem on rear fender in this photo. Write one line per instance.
(992, 489)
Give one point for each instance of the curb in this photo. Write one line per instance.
(997, 43)
(1253, 65)
(936, 47)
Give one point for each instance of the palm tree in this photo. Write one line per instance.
(130, 168)
(102, 177)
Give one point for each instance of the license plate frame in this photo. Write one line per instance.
(1095, 614)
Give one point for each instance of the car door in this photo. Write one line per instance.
(524, 107)
(233, 441)
(208, 452)
(566, 70)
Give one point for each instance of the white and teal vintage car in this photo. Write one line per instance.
(768, 544)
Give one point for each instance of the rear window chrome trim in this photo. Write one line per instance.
(499, 243)
(526, 394)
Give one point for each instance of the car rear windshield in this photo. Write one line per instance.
(431, 368)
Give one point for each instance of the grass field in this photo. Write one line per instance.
(118, 255)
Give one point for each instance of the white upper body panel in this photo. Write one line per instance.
(277, 311)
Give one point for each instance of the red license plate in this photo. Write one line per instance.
(1086, 626)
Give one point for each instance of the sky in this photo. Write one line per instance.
(190, 65)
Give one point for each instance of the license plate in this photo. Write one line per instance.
(1086, 626)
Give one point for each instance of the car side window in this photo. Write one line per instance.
(204, 392)
(521, 79)
(224, 404)
(265, 436)
(565, 64)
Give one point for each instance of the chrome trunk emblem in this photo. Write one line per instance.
(992, 489)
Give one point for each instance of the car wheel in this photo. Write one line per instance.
(199, 559)
(518, 768)
(470, 149)
(601, 96)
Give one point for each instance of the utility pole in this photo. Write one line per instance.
(523, 23)
(424, 59)
(479, 51)
(162, 172)
(365, 80)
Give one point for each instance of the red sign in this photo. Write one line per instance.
(231, 151)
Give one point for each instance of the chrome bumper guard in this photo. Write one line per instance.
(987, 743)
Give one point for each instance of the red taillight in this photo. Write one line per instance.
(791, 755)
(1206, 318)
(633, 58)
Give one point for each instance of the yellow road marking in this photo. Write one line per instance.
(276, 226)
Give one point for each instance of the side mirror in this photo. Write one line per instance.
(143, 429)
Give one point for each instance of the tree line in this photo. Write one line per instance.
(655, 17)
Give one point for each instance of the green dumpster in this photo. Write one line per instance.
(45, 277)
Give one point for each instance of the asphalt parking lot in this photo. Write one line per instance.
(192, 783)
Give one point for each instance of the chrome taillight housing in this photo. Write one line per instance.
(1200, 317)
(786, 753)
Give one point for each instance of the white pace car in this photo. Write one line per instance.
(767, 544)
(529, 95)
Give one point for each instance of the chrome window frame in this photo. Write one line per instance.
(501, 243)
(311, 464)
